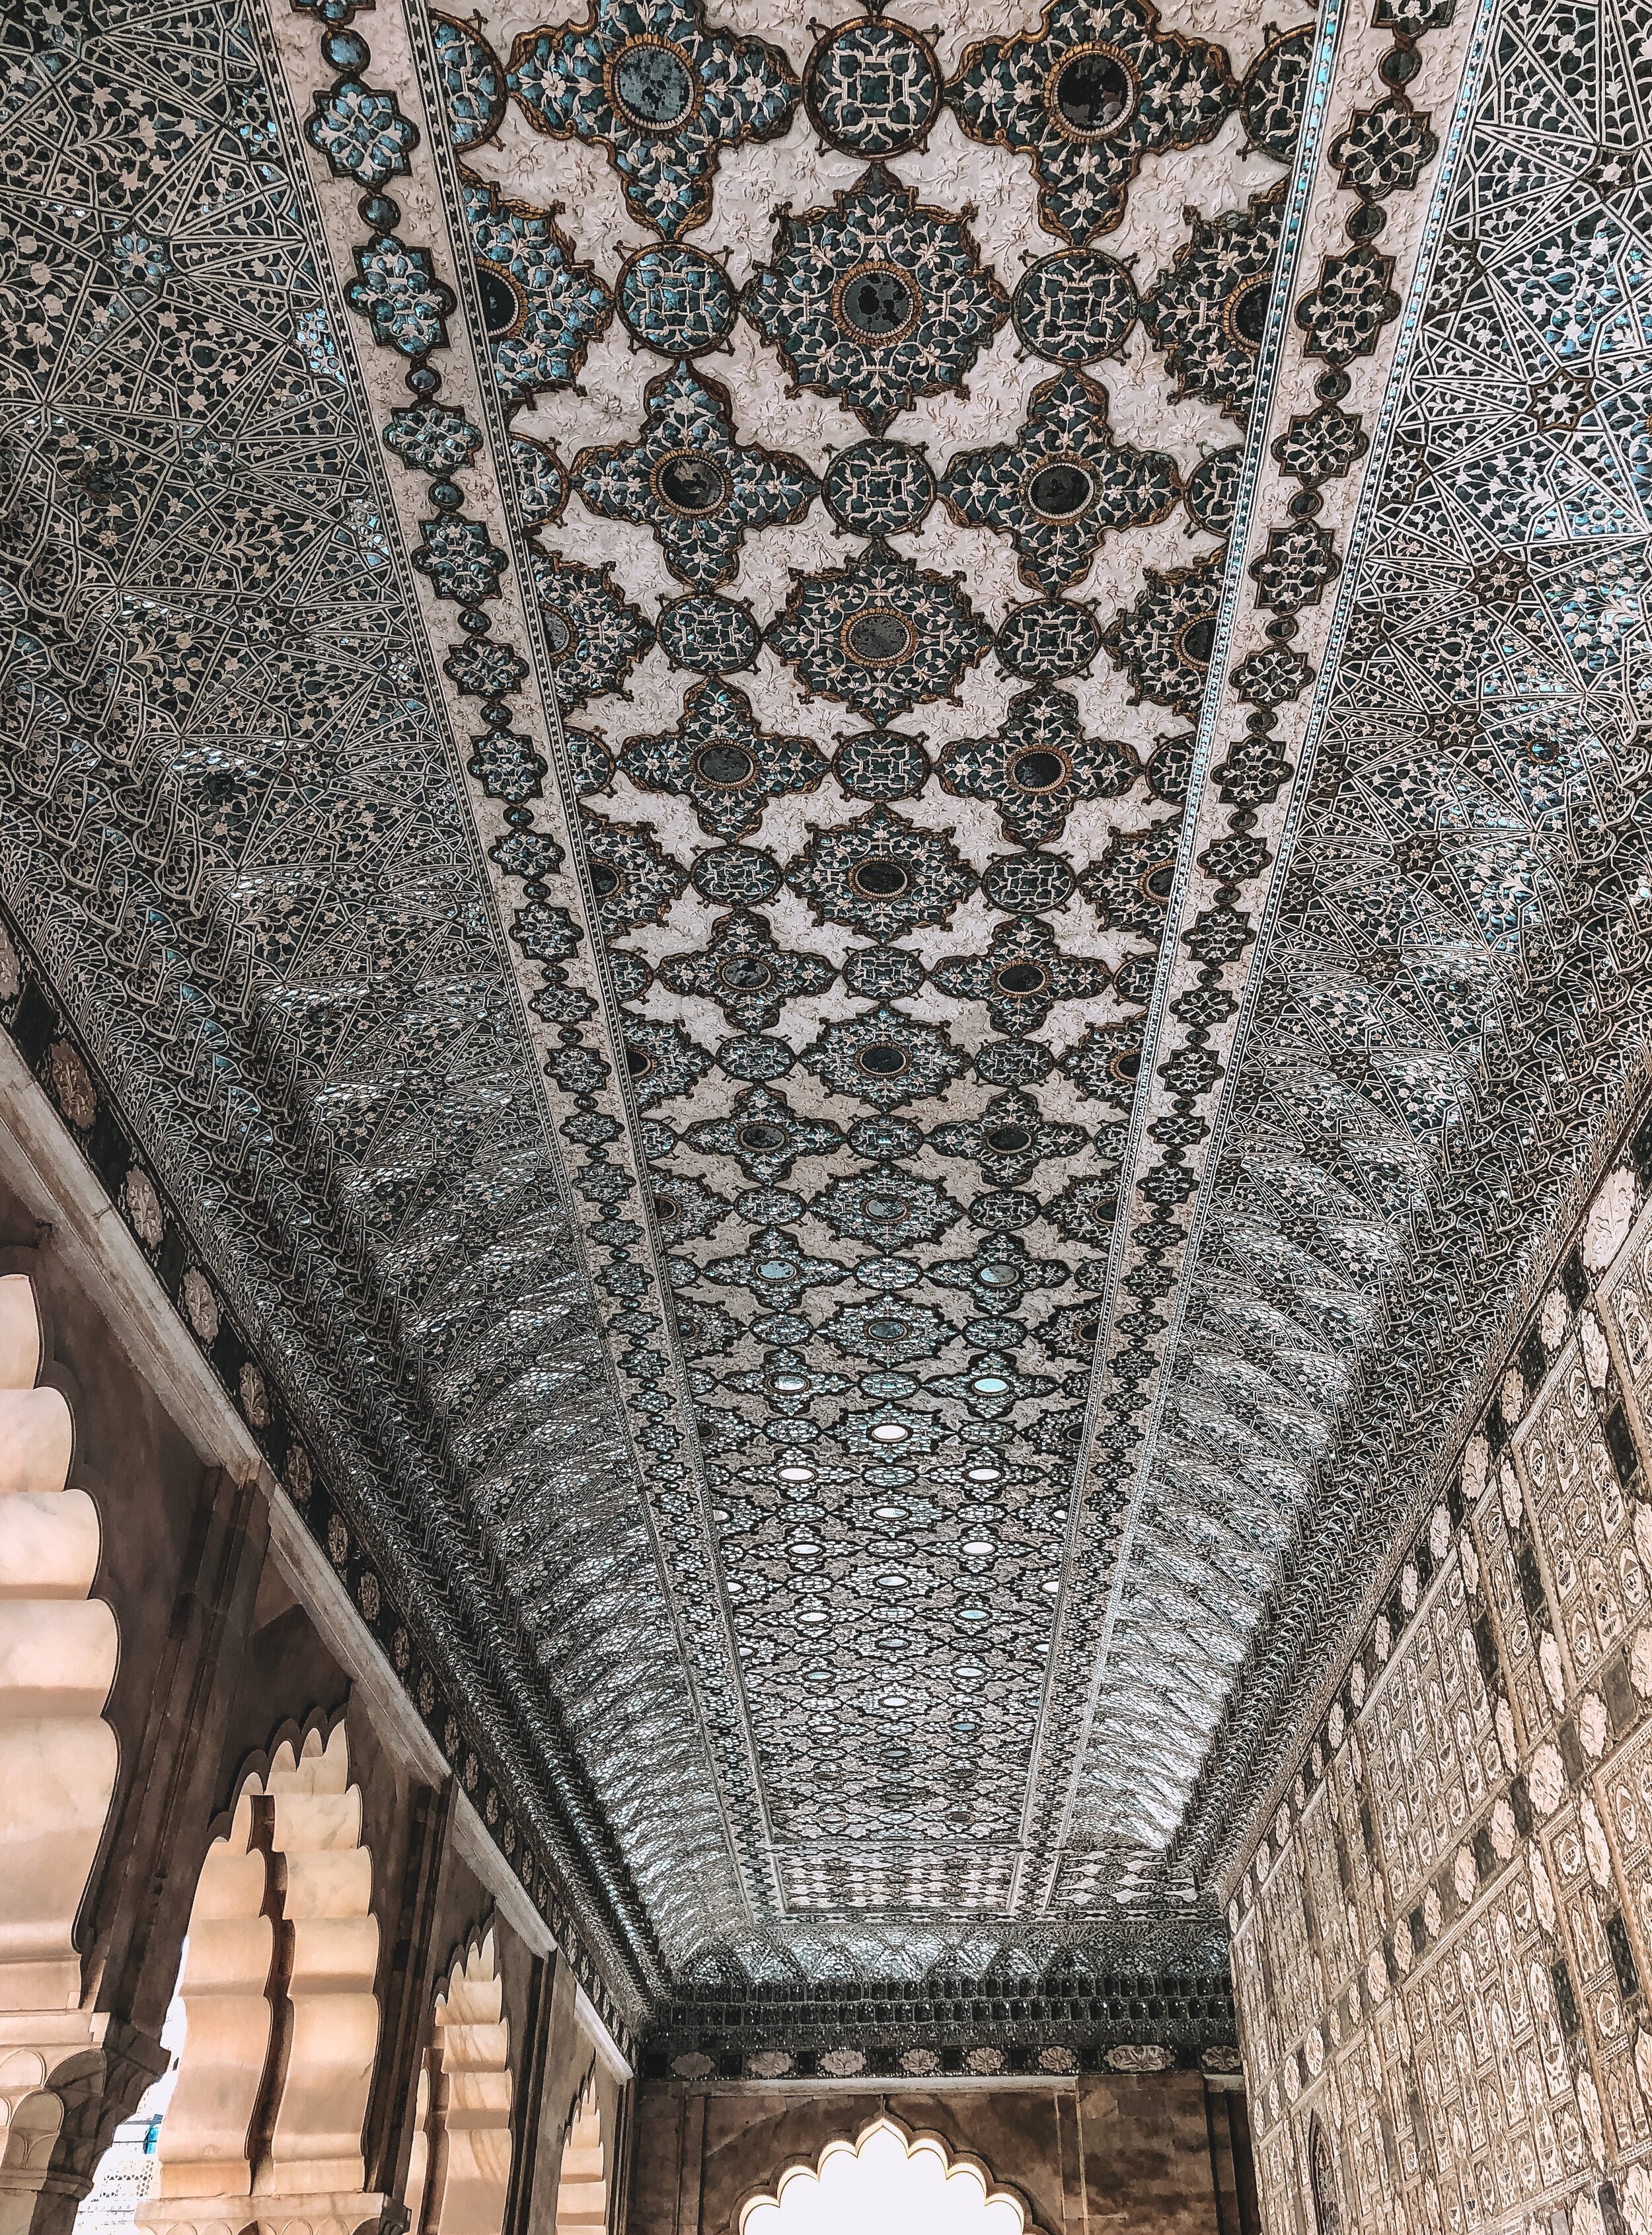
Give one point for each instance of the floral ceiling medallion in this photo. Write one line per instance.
(877, 300)
(1088, 96)
(661, 92)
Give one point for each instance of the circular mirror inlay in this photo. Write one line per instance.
(605, 879)
(1245, 313)
(1060, 490)
(1009, 1140)
(883, 1206)
(559, 632)
(999, 1276)
(667, 1209)
(1158, 882)
(638, 1061)
(502, 303)
(879, 879)
(1197, 640)
(889, 1431)
(744, 973)
(1021, 978)
(888, 1330)
(1092, 92)
(726, 766)
(878, 638)
(1038, 771)
(883, 1059)
(876, 303)
(691, 484)
(760, 1135)
(652, 84)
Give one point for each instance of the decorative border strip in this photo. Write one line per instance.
(1058, 2045)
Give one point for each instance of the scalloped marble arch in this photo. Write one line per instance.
(281, 1922)
(459, 2174)
(889, 2181)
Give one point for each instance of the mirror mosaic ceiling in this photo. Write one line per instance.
(855, 801)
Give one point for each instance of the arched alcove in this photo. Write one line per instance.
(58, 1757)
(280, 2019)
(887, 2182)
(582, 2188)
(459, 2175)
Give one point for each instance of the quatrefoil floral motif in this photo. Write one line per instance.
(362, 133)
(879, 633)
(765, 1135)
(664, 95)
(722, 760)
(773, 1265)
(1039, 766)
(1001, 1269)
(1021, 976)
(877, 299)
(691, 482)
(1209, 312)
(743, 970)
(1087, 95)
(1010, 1140)
(1061, 485)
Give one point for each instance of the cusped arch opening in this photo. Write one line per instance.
(458, 2178)
(888, 2181)
(280, 2017)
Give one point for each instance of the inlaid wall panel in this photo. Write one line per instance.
(1442, 1939)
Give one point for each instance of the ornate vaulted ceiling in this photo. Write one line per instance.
(852, 804)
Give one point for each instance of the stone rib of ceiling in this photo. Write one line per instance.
(619, 751)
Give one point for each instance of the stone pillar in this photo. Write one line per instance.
(391, 2114)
